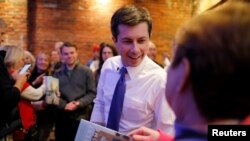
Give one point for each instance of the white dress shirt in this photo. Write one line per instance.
(144, 103)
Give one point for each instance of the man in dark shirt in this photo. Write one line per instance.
(78, 89)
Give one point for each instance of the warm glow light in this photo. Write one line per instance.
(103, 2)
(205, 4)
(102, 6)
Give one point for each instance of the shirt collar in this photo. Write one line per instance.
(133, 72)
(66, 69)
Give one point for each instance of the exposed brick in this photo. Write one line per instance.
(85, 22)
(14, 13)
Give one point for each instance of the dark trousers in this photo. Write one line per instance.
(44, 131)
(66, 128)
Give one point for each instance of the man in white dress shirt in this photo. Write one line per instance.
(144, 103)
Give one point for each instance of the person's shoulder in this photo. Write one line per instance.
(159, 64)
(83, 67)
(157, 73)
(89, 62)
(114, 59)
(58, 70)
(112, 62)
(154, 67)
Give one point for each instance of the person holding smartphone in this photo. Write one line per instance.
(14, 61)
(10, 87)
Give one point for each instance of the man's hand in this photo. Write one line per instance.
(144, 134)
(71, 106)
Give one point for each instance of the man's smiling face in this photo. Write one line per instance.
(132, 43)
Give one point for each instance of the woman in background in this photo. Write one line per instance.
(106, 51)
(29, 59)
(44, 112)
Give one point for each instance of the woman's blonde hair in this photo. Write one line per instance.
(31, 57)
(13, 55)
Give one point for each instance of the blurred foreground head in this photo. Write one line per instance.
(14, 56)
(212, 63)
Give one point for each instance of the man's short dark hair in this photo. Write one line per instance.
(67, 44)
(130, 15)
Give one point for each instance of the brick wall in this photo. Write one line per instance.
(13, 22)
(85, 22)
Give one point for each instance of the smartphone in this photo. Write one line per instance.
(25, 68)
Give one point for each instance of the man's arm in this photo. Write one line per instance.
(164, 115)
(9, 94)
(91, 90)
(98, 111)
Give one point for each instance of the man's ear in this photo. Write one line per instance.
(114, 39)
(185, 66)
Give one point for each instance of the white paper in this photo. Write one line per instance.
(51, 87)
(88, 131)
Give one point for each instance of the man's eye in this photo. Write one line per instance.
(126, 41)
(141, 41)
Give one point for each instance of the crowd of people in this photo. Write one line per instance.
(125, 89)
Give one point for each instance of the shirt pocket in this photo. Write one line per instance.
(134, 110)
